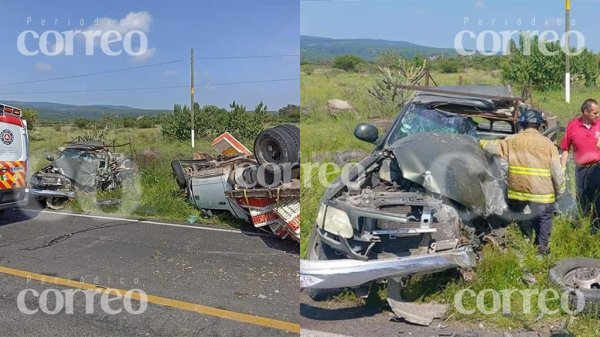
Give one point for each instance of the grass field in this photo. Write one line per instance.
(156, 195)
(323, 135)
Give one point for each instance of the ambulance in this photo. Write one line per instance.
(14, 158)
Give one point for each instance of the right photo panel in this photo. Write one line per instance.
(450, 169)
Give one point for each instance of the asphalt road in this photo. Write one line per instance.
(200, 282)
(348, 319)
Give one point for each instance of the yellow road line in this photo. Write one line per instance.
(201, 309)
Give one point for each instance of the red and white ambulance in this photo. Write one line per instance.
(14, 157)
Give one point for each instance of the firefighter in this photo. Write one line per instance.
(535, 177)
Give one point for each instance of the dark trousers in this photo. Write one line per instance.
(539, 220)
(588, 189)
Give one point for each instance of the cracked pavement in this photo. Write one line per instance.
(250, 274)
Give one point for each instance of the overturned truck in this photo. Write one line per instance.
(261, 188)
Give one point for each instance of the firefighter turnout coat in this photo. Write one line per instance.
(534, 170)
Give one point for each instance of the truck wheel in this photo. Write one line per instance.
(57, 203)
(579, 274)
(276, 146)
(293, 130)
(178, 173)
(319, 251)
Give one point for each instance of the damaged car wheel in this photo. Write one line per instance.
(178, 173)
(582, 275)
(57, 203)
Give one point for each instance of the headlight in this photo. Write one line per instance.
(337, 222)
(321, 215)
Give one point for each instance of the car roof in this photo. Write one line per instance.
(91, 145)
(484, 97)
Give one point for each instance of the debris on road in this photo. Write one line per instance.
(418, 313)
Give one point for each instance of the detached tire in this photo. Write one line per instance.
(318, 251)
(277, 145)
(178, 173)
(293, 130)
(579, 274)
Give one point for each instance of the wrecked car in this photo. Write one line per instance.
(86, 167)
(423, 199)
(261, 188)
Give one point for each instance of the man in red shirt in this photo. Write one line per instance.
(583, 135)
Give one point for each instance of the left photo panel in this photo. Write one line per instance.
(150, 176)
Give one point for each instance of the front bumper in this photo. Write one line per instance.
(332, 274)
(51, 193)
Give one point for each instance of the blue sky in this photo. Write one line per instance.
(214, 28)
(436, 22)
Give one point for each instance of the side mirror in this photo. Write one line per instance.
(366, 132)
(50, 157)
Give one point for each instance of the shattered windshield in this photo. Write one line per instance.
(77, 154)
(420, 118)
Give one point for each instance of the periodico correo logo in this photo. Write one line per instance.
(112, 37)
(497, 41)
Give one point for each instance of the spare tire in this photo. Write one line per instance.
(579, 275)
(293, 130)
(178, 173)
(277, 145)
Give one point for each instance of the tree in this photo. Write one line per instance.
(31, 116)
(82, 123)
(388, 59)
(289, 114)
(529, 65)
(347, 62)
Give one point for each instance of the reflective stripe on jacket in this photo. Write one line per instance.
(534, 171)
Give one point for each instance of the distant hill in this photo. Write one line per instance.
(319, 49)
(57, 111)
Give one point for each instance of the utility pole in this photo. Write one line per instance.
(567, 51)
(192, 95)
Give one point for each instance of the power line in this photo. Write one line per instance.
(245, 82)
(93, 90)
(91, 74)
(245, 57)
(148, 88)
(142, 67)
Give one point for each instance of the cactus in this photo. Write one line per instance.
(387, 87)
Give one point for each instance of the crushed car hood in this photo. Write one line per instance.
(451, 165)
(81, 171)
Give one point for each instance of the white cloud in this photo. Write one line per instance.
(43, 67)
(132, 21)
(170, 73)
(145, 56)
(480, 4)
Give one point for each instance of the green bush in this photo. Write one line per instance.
(31, 116)
(211, 121)
(545, 71)
(449, 66)
(347, 62)
(82, 123)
